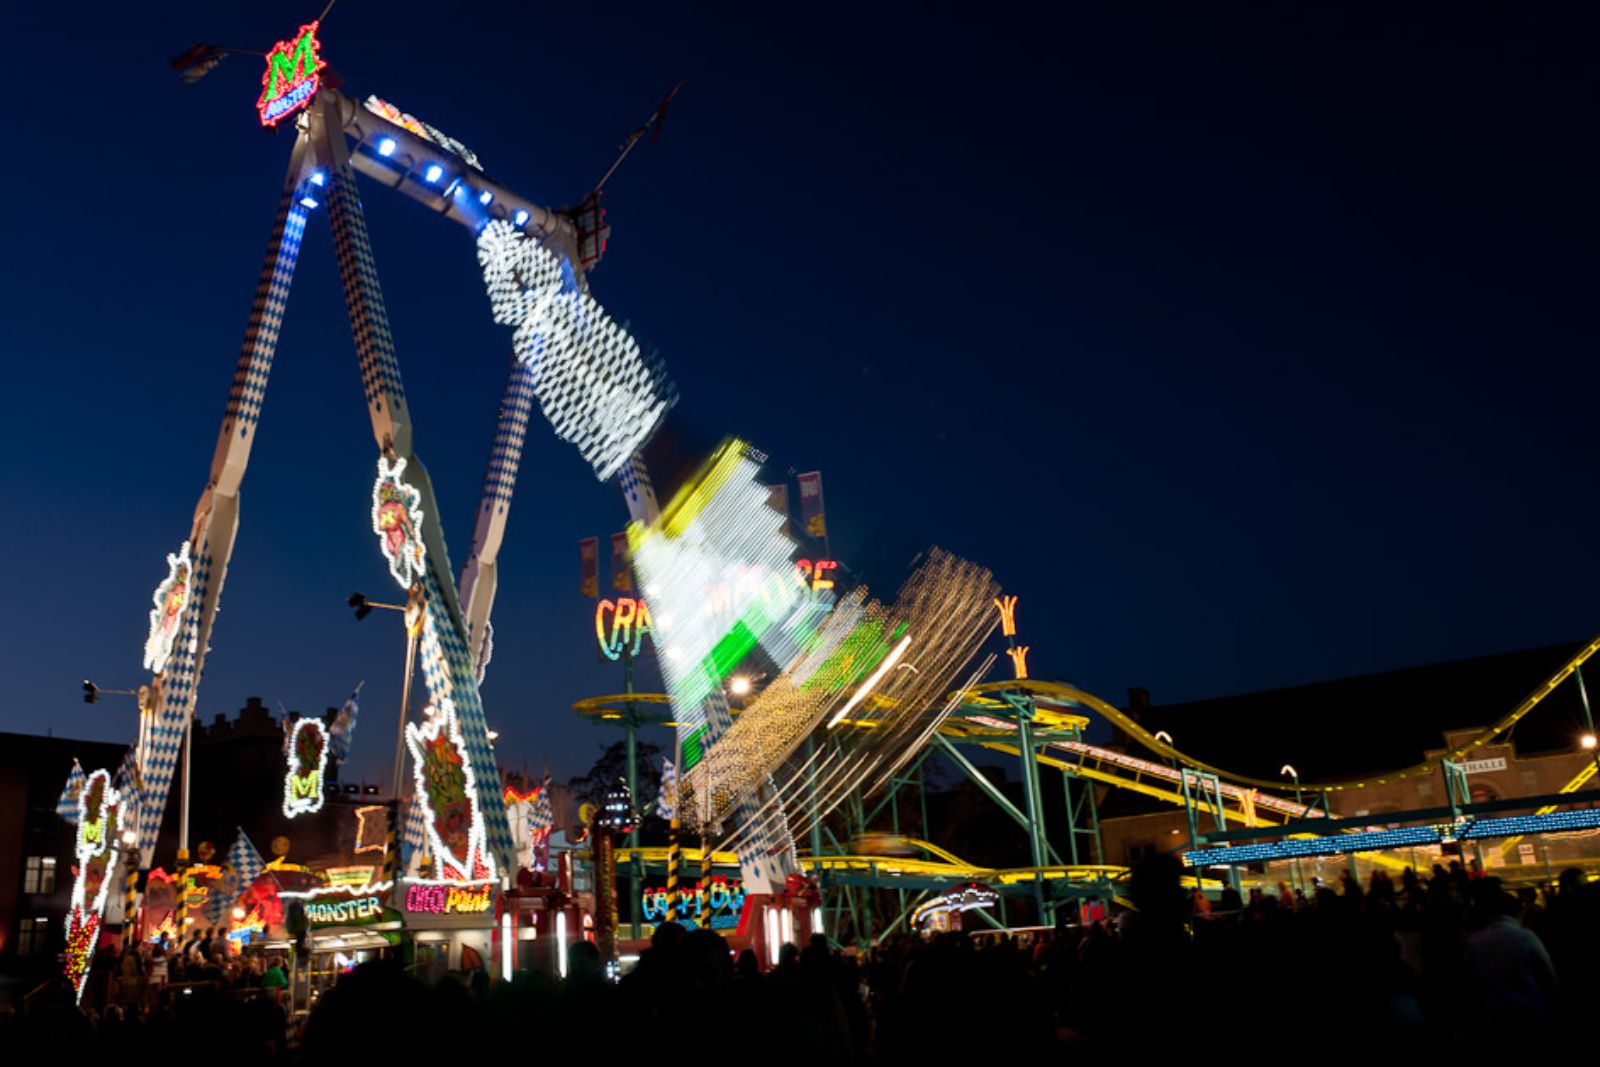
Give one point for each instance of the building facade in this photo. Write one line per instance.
(36, 859)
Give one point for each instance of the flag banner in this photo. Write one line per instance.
(589, 559)
(67, 806)
(621, 564)
(344, 725)
(667, 801)
(246, 860)
(541, 821)
(778, 497)
(812, 518)
(129, 787)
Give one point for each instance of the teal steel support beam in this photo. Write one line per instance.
(981, 781)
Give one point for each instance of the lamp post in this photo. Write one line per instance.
(413, 612)
(1288, 769)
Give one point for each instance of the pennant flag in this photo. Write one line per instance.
(412, 834)
(543, 819)
(589, 560)
(621, 564)
(344, 725)
(666, 802)
(67, 806)
(129, 787)
(217, 904)
(812, 518)
(247, 862)
(198, 61)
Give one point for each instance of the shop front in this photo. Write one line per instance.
(449, 927)
(344, 928)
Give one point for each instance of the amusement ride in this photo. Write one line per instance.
(857, 692)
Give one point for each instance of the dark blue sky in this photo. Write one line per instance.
(1248, 348)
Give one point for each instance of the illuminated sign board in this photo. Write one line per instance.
(744, 583)
(726, 903)
(290, 80)
(814, 576)
(447, 899)
(629, 622)
(343, 912)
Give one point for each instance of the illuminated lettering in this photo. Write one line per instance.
(629, 623)
(447, 899)
(331, 912)
(290, 80)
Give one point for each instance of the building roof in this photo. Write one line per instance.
(1376, 722)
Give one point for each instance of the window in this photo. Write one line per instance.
(33, 936)
(39, 875)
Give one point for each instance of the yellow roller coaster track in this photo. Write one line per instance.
(1577, 783)
(1073, 695)
(943, 864)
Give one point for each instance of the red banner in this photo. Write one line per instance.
(621, 564)
(812, 518)
(589, 560)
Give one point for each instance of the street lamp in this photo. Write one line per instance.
(413, 610)
(1587, 742)
(740, 686)
(1288, 769)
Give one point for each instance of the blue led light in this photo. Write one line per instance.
(308, 202)
(484, 197)
(318, 178)
(520, 218)
(1328, 845)
(386, 147)
(1551, 822)
(433, 173)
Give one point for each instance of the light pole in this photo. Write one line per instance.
(1294, 868)
(414, 614)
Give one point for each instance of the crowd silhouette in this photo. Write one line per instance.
(1444, 961)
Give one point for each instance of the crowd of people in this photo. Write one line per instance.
(1447, 960)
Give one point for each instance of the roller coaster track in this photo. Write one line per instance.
(1577, 783)
(1059, 693)
(942, 864)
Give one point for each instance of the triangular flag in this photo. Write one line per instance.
(67, 806)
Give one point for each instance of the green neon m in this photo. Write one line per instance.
(286, 68)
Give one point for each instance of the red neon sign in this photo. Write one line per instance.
(811, 574)
(290, 80)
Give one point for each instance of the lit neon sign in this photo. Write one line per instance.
(630, 621)
(726, 903)
(329, 912)
(1008, 615)
(290, 80)
(308, 759)
(811, 574)
(743, 583)
(1019, 660)
(447, 899)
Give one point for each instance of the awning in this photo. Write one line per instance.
(345, 938)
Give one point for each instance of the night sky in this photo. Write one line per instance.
(1248, 347)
